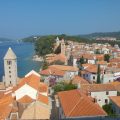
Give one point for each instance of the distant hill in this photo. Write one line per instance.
(102, 34)
(5, 40)
(30, 39)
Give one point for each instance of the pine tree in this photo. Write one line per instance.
(98, 75)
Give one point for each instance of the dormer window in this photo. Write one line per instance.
(9, 62)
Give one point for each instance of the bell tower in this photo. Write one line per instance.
(62, 47)
(10, 68)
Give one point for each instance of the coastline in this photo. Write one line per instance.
(37, 58)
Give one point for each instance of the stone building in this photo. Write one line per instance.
(10, 68)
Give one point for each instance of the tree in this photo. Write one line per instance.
(106, 57)
(82, 60)
(98, 75)
(45, 65)
(62, 86)
(97, 51)
(108, 109)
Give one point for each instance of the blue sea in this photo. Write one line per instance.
(24, 53)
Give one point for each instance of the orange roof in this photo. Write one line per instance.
(32, 80)
(5, 106)
(75, 104)
(98, 87)
(115, 60)
(64, 68)
(44, 99)
(91, 69)
(102, 62)
(116, 100)
(43, 87)
(55, 57)
(25, 99)
(116, 84)
(78, 79)
(52, 71)
(99, 57)
(86, 65)
(87, 56)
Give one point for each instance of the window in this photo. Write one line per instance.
(9, 62)
(9, 67)
(107, 93)
(94, 100)
(106, 101)
(10, 82)
(93, 77)
(10, 76)
(9, 71)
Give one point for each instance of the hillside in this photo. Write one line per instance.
(102, 34)
(5, 39)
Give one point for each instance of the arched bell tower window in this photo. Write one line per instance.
(9, 62)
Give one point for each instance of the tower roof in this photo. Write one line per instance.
(10, 54)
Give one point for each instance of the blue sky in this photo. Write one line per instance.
(21, 18)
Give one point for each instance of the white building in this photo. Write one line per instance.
(100, 92)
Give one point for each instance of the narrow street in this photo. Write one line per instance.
(54, 111)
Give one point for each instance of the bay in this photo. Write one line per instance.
(24, 53)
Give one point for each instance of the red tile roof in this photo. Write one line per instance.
(32, 80)
(52, 71)
(116, 100)
(98, 87)
(25, 99)
(75, 104)
(78, 79)
(64, 67)
(44, 99)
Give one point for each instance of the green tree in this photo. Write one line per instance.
(108, 109)
(98, 75)
(82, 61)
(62, 86)
(45, 65)
(44, 45)
(107, 57)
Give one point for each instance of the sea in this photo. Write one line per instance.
(24, 52)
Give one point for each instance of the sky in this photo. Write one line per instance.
(22, 18)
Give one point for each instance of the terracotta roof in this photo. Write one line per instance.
(92, 69)
(25, 99)
(52, 71)
(78, 79)
(5, 106)
(102, 62)
(88, 56)
(116, 85)
(42, 98)
(55, 57)
(32, 80)
(86, 65)
(64, 68)
(76, 104)
(98, 87)
(115, 60)
(99, 57)
(43, 87)
(116, 100)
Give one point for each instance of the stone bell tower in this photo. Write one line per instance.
(10, 68)
(62, 47)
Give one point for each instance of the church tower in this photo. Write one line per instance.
(57, 41)
(10, 68)
(62, 47)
